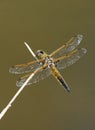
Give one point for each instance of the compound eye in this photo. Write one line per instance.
(41, 52)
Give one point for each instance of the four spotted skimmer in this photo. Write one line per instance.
(47, 65)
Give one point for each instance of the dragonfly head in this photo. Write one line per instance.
(41, 54)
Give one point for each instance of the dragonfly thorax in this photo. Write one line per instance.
(48, 60)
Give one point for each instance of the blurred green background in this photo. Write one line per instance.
(46, 25)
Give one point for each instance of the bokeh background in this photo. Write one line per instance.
(46, 25)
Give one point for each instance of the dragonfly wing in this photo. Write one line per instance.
(24, 68)
(69, 59)
(42, 74)
(68, 47)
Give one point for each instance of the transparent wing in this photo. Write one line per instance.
(69, 59)
(24, 68)
(68, 47)
(42, 74)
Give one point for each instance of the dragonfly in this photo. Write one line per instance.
(46, 65)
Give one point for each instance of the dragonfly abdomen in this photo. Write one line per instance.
(62, 81)
(59, 77)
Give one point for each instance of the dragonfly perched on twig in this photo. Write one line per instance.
(45, 65)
